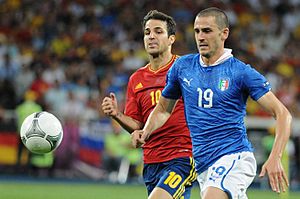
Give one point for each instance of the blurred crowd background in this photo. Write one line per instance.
(64, 56)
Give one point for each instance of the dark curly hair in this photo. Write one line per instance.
(154, 14)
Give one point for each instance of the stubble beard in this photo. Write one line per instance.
(154, 55)
(206, 55)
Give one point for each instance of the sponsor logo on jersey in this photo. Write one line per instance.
(224, 84)
(187, 81)
(138, 86)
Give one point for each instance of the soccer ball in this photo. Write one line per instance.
(41, 132)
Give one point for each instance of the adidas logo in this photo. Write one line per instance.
(138, 86)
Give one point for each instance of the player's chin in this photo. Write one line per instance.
(152, 51)
(154, 55)
(203, 49)
(204, 53)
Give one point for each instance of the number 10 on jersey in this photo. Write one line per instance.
(155, 95)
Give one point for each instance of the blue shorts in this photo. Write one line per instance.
(175, 176)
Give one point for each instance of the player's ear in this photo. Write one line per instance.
(225, 34)
(172, 39)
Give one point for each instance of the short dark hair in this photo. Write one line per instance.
(154, 14)
(220, 16)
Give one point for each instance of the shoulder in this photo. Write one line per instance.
(239, 63)
(246, 74)
(138, 73)
(186, 60)
(239, 66)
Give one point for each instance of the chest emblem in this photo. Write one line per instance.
(224, 84)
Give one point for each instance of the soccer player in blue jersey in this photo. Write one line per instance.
(169, 168)
(215, 86)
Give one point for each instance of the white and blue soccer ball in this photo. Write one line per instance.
(41, 132)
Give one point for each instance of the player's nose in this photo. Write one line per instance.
(200, 36)
(151, 35)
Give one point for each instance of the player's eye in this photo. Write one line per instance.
(206, 30)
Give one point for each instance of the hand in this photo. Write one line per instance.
(110, 105)
(145, 136)
(136, 138)
(277, 176)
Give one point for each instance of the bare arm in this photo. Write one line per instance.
(273, 167)
(128, 123)
(110, 108)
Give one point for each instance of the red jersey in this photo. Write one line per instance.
(170, 141)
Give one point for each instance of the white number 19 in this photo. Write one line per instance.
(207, 95)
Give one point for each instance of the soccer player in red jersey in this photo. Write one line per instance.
(168, 164)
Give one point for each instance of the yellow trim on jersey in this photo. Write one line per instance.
(163, 67)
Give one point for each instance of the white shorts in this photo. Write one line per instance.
(231, 173)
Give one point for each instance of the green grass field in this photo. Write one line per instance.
(54, 190)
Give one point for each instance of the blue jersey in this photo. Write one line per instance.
(215, 104)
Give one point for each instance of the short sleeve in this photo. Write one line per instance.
(172, 88)
(132, 106)
(256, 84)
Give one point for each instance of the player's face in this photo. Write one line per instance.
(209, 38)
(156, 38)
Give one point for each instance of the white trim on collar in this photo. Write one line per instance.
(226, 55)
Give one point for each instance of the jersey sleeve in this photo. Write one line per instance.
(256, 84)
(172, 88)
(132, 106)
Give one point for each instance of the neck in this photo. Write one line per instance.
(156, 62)
(211, 60)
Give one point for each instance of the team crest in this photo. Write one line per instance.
(224, 84)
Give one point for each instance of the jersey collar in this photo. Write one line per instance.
(226, 55)
(164, 67)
